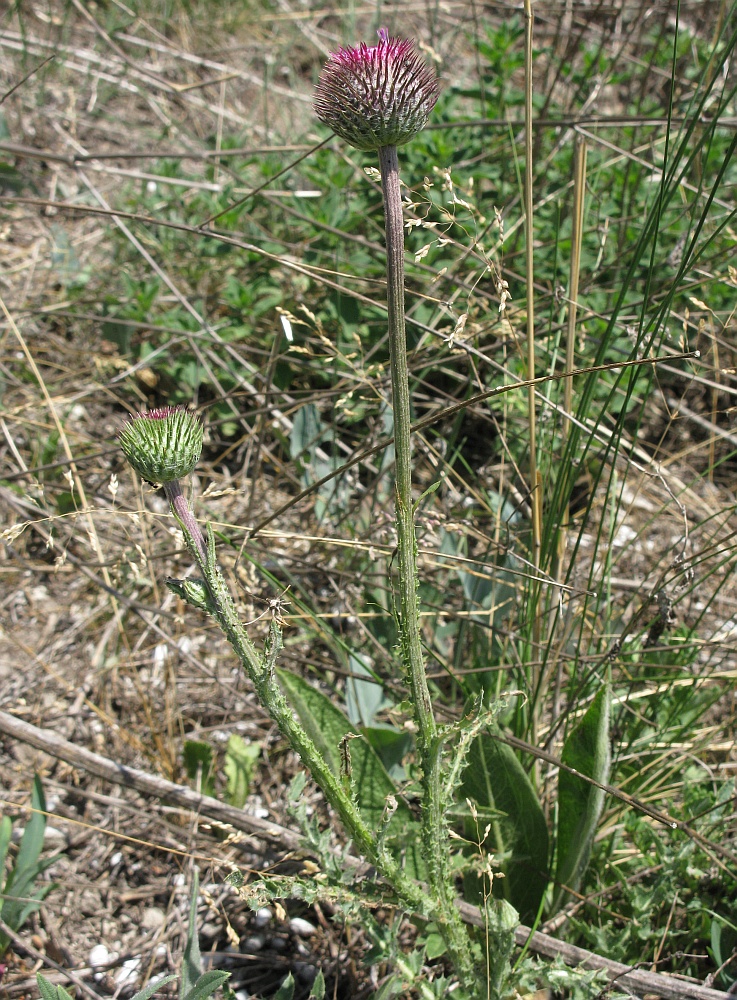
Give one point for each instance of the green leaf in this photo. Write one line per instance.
(286, 990)
(390, 989)
(207, 984)
(495, 779)
(32, 841)
(45, 988)
(580, 803)
(199, 759)
(22, 897)
(6, 832)
(50, 992)
(363, 698)
(318, 987)
(392, 745)
(150, 989)
(326, 725)
(434, 946)
(240, 765)
(191, 960)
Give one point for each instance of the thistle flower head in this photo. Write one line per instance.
(163, 445)
(379, 95)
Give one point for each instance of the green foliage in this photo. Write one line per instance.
(199, 761)
(21, 896)
(679, 872)
(496, 781)
(652, 238)
(580, 803)
(241, 759)
(239, 766)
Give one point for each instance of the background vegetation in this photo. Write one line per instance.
(222, 250)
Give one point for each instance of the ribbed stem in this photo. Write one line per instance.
(180, 509)
(434, 832)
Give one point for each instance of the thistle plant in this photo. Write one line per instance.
(376, 98)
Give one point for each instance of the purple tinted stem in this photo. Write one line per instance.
(180, 509)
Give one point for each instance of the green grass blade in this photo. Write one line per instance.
(192, 962)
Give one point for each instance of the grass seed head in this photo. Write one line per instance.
(379, 95)
(164, 444)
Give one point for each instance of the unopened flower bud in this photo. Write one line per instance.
(163, 445)
(374, 96)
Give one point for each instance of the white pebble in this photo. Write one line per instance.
(153, 918)
(99, 955)
(127, 974)
(116, 859)
(300, 927)
(54, 838)
(263, 917)
(254, 943)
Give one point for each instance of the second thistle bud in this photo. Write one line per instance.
(374, 96)
(163, 445)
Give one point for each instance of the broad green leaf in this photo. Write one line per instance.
(286, 990)
(495, 779)
(389, 989)
(580, 803)
(150, 989)
(306, 433)
(318, 987)
(191, 960)
(434, 946)
(199, 759)
(240, 765)
(206, 985)
(326, 725)
(392, 745)
(363, 698)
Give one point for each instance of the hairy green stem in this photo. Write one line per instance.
(260, 670)
(434, 829)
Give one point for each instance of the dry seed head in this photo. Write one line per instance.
(163, 445)
(379, 95)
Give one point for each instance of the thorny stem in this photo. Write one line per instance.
(261, 672)
(434, 834)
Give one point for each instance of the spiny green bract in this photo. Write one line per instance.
(374, 96)
(164, 444)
